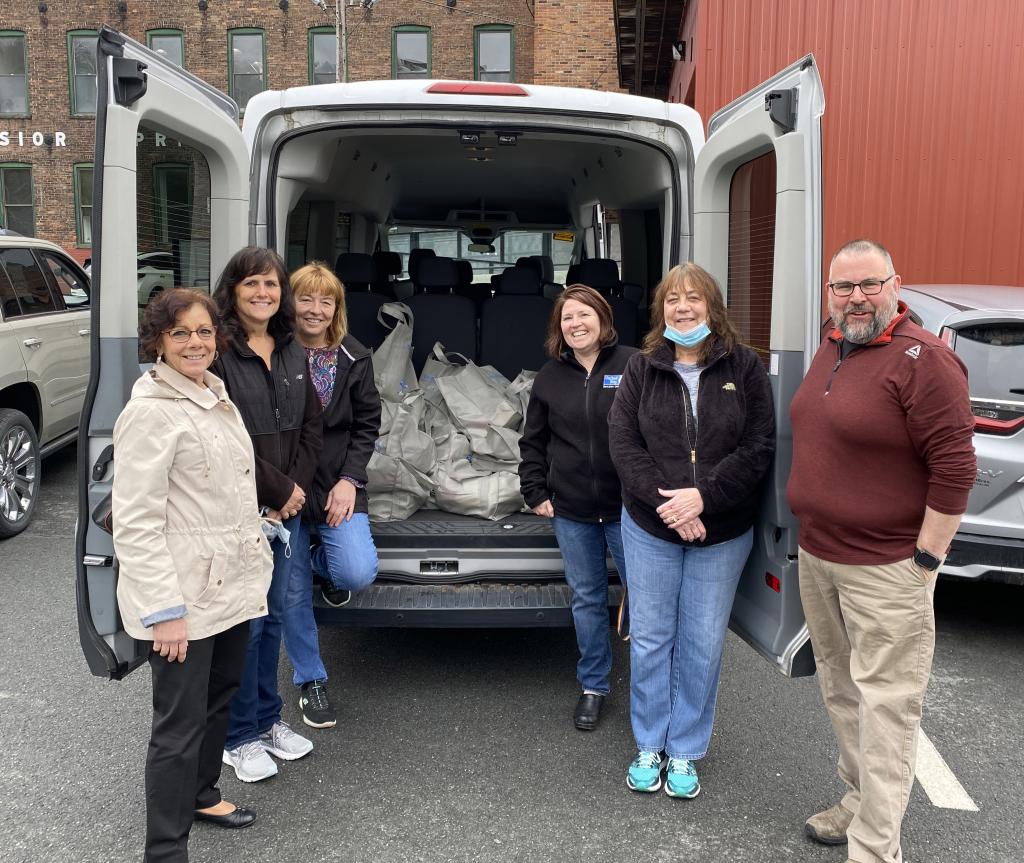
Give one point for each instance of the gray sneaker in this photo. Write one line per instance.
(285, 743)
(250, 761)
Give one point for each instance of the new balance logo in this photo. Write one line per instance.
(913, 352)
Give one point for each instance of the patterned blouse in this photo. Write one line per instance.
(323, 367)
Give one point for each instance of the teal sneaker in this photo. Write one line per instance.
(681, 779)
(645, 772)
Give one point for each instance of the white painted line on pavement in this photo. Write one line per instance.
(937, 780)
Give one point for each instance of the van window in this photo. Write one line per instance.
(173, 224)
(752, 251)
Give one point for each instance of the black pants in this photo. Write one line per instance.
(190, 723)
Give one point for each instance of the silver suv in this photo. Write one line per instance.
(984, 324)
(44, 366)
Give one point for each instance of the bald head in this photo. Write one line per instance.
(864, 247)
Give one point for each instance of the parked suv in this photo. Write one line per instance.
(44, 366)
(984, 324)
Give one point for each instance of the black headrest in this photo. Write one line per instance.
(572, 275)
(437, 273)
(601, 274)
(416, 256)
(547, 267)
(388, 263)
(520, 280)
(465, 273)
(355, 268)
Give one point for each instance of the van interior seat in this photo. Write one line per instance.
(361, 308)
(389, 267)
(601, 274)
(404, 288)
(440, 314)
(356, 270)
(467, 287)
(437, 276)
(514, 323)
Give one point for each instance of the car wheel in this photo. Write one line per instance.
(19, 472)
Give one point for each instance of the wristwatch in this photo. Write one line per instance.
(926, 560)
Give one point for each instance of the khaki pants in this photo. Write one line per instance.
(873, 633)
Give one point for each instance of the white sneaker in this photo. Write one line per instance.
(285, 743)
(250, 761)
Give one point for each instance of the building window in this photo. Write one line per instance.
(16, 210)
(13, 74)
(494, 53)
(82, 71)
(323, 55)
(172, 192)
(169, 44)
(410, 52)
(83, 204)
(247, 65)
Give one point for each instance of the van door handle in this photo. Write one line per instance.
(32, 343)
(84, 332)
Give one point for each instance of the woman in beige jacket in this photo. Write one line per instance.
(194, 566)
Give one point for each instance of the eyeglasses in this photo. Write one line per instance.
(868, 287)
(181, 335)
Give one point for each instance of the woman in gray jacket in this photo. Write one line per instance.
(194, 566)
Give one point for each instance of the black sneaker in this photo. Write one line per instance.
(335, 597)
(315, 706)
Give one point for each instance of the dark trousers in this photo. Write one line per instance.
(190, 722)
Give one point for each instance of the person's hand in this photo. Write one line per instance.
(170, 639)
(341, 502)
(684, 504)
(293, 506)
(274, 515)
(545, 509)
(692, 531)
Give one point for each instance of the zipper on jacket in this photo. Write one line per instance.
(688, 413)
(590, 441)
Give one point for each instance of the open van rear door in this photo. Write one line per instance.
(171, 175)
(757, 229)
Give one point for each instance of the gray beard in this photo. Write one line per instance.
(862, 334)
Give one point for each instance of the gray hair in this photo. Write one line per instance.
(860, 247)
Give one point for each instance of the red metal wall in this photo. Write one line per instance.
(924, 119)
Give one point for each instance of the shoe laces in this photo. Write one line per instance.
(252, 749)
(647, 759)
(316, 695)
(681, 765)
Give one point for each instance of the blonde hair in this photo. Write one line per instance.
(317, 279)
(694, 277)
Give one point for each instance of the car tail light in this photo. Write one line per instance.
(998, 426)
(948, 335)
(476, 88)
(773, 582)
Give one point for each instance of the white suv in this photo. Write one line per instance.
(44, 366)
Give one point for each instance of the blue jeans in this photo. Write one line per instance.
(584, 548)
(346, 554)
(257, 706)
(680, 599)
(301, 639)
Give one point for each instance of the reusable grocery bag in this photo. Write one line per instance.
(438, 364)
(521, 388)
(476, 401)
(394, 489)
(493, 496)
(393, 372)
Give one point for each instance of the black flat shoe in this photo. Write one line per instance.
(588, 709)
(236, 820)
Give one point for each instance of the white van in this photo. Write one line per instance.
(365, 167)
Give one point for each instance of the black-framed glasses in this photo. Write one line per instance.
(182, 335)
(868, 287)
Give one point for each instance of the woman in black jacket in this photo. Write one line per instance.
(692, 435)
(566, 472)
(346, 557)
(265, 372)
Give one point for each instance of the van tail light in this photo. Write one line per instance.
(773, 582)
(476, 88)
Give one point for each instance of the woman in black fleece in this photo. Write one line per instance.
(692, 435)
(566, 472)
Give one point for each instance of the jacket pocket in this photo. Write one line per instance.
(213, 580)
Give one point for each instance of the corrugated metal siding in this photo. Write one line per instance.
(924, 120)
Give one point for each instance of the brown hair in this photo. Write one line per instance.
(554, 344)
(317, 278)
(254, 261)
(691, 276)
(162, 314)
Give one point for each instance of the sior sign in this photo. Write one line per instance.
(33, 139)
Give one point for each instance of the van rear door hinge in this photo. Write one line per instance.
(781, 107)
(129, 80)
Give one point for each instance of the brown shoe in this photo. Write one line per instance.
(829, 827)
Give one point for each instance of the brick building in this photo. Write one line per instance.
(48, 87)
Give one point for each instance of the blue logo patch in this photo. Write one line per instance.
(612, 381)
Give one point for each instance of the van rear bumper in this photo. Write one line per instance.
(458, 606)
(985, 558)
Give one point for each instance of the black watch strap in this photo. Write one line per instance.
(926, 560)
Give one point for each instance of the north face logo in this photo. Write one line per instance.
(913, 352)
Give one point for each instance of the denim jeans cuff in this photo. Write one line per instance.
(688, 757)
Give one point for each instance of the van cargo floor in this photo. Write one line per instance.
(435, 529)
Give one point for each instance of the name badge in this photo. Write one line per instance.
(612, 381)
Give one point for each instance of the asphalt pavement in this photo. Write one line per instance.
(459, 746)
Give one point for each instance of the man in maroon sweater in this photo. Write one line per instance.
(883, 462)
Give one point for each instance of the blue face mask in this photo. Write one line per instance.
(690, 338)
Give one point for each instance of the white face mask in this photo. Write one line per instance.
(688, 338)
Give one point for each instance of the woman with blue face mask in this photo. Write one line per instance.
(692, 433)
